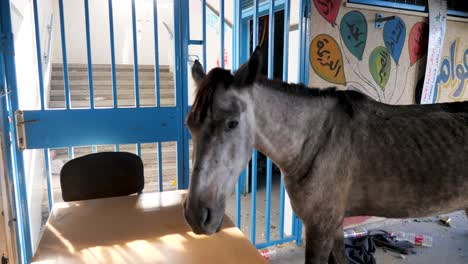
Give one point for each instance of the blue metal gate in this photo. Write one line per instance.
(69, 127)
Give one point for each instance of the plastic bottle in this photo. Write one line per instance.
(418, 240)
(266, 253)
(355, 233)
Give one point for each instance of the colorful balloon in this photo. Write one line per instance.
(353, 30)
(326, 59)
(380, 65)
(328, 9)
(418, 41)
(394, 34)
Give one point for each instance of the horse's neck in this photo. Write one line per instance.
(286, 123)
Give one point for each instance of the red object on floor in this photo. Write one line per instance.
(355, 220)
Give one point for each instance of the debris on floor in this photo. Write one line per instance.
(445, 221)
(360, 250)
(449, 245)
(266, 253)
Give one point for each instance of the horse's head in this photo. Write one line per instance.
(222, 125)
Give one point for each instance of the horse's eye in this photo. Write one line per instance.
(232, 125)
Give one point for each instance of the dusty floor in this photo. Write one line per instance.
(260, 212)
(450, 244)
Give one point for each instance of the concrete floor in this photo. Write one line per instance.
(450, 244)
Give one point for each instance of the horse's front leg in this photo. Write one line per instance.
(337, 255)
(319, 243)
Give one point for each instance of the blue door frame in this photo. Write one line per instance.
(14, 158)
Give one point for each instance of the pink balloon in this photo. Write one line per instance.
(418, 41)
(328, 9)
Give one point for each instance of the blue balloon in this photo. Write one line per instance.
(353, 30)
(394, 35)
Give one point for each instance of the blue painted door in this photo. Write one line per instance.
(69, 127)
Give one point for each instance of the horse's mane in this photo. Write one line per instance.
(299, 89)
(204, 94)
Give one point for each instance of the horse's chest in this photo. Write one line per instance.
(303, 195)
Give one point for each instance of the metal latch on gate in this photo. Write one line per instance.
(21, 129)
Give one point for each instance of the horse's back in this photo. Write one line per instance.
(412, 159)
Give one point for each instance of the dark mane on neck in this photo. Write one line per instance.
(299, 89)
(204, 95)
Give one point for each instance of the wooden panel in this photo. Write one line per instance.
(149, 228)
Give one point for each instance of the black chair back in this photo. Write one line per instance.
(101, 175)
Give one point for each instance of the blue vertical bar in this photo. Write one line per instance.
(281, 205)
(94, 149)
(303, 5)
(303, 10)
(204, 33)
(160, 175)
(181, 38)
(287, 16)
(117, 148)
(50, 195)
(221, 33)
(255, 24)
(271, 39)
(253, 206)
(305, 42)
(135, 56)
(139, 150)
(268, 200)
(71, 155)
(88, 52)
(10, 104)
(156, 54)
(298, 231)
(39, 54)
(235, 64)
(294, 224)
(64, 55)
(112, 47)
(301, 22)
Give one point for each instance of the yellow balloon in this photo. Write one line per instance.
(326, 59)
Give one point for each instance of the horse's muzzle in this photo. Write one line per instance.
(202, 219)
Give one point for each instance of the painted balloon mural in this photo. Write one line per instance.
(380, 65)
(353, 30)
(394, 34)
(326, 59)
(342, 54)
(418, 41)
(328, 9)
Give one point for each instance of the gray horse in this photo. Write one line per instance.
(341, 153)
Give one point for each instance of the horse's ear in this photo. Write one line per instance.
(198, 73)
(249, 71)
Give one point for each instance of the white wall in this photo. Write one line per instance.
(29, 99)
(123, 38)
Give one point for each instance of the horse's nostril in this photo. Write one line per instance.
(207, 216)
